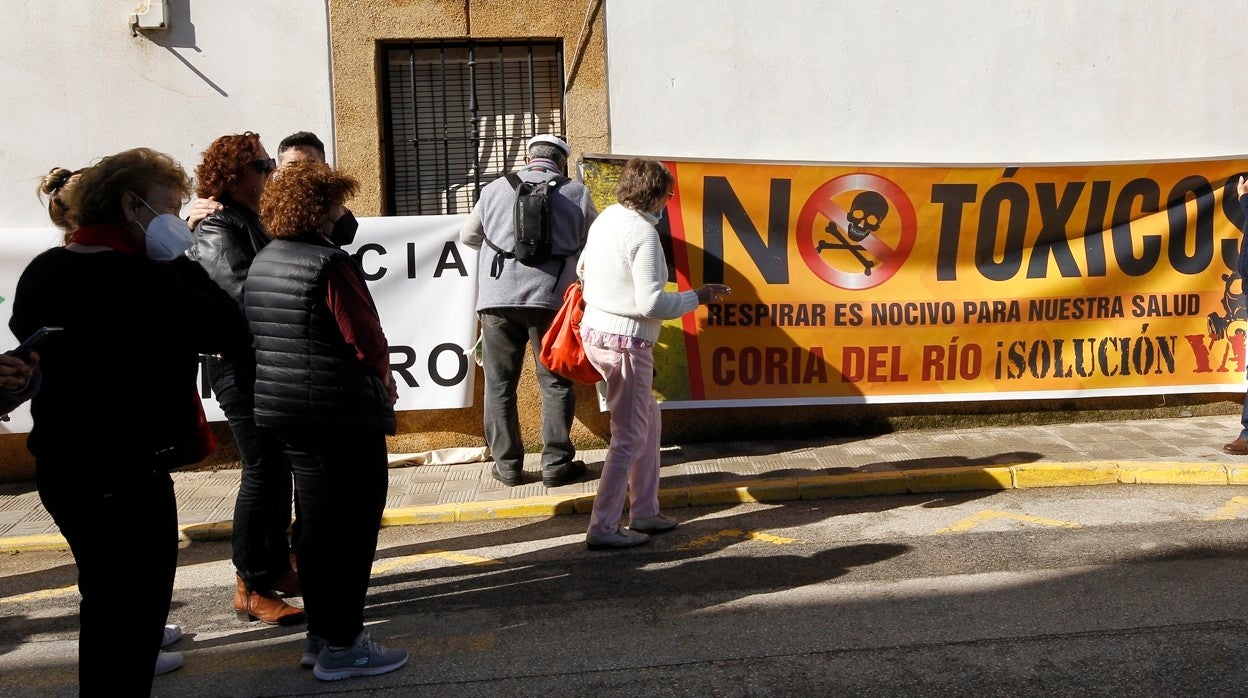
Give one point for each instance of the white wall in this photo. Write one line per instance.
(959, 81)
(75, 85)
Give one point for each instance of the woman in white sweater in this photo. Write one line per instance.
(624, 272)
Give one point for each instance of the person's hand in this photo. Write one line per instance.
(15, 371)
(201, 209)
(1242, 187)
(392, 389)
(711, 293)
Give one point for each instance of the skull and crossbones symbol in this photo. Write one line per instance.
(866, 215)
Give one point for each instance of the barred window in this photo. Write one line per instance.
(458, 114)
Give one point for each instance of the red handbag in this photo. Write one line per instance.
(562, 350)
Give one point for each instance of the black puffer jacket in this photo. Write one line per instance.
(225, 244)
(307, 377)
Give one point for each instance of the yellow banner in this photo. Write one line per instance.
(904, 284)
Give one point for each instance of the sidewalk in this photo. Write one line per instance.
(1155, 451)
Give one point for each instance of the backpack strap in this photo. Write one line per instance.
(501, 255)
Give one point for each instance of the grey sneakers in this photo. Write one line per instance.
(654, 524)
(173, 633)
(167, 662)
(311, 650)
(621, 538)
(363, 658)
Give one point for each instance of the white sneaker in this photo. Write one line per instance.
(173, 633)
(167, 662)
(654, 524)
(620, 538)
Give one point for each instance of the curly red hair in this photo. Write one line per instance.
(225, 162)
(301, 196)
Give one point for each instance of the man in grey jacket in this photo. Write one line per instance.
(516, 304)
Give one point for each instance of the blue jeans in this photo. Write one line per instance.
(504, 333)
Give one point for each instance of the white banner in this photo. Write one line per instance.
(423, 281)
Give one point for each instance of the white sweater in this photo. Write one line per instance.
(624, 273)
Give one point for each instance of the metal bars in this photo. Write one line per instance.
(458, 114)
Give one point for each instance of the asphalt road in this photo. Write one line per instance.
(1124, 590)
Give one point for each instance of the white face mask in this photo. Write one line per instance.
(166, 237)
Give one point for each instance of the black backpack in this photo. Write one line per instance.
(532, 226)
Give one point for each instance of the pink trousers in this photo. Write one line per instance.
(632, 461)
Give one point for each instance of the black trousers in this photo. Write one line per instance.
(262, 510)
(123, 532)
(341, 481)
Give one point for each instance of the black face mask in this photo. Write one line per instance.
(344, 230)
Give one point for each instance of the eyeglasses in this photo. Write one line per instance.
(264, 166)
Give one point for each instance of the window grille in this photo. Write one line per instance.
(459, 114)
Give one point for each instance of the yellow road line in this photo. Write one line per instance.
(704, 541)
(42, 594)
(1231, 510)
(389, 564)
(987, 515)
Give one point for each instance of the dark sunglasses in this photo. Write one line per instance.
(263, 166)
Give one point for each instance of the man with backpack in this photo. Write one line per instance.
(530, 227)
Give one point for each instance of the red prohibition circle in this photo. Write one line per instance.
(888, 259)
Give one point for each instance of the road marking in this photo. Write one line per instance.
(42, 594)
(987, 515)
(737, 533)
(1231, 510)
(390, 564)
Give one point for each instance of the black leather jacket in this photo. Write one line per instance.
(225, 244)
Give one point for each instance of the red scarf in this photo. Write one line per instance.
(113, 235)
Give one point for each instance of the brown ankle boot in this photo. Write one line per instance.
(264, 606)
(289, 584)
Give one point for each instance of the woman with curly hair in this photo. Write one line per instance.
(234, 171)
(127, 299)
(323, 383)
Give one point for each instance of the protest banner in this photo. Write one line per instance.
(888, 283)
(422, 279)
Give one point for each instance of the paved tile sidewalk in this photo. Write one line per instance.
(207, 498)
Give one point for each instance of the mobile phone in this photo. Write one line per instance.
(32, 342)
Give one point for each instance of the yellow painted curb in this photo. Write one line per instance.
(204, 532)
(408, 516)
(44, 543)
(853, 485)
(675, 498)
(1236, 475)
(959, 479)
(1173, 474)
(1064, 474)
(529, 507)
(710, 495)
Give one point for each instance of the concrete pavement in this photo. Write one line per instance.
(1152, 451)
